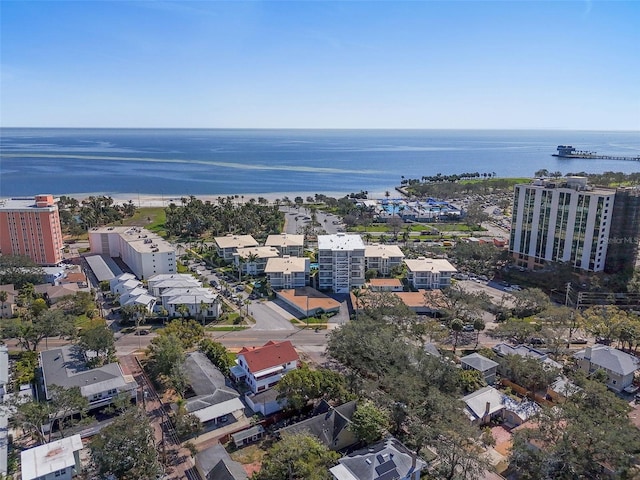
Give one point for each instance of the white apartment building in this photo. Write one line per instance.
(163, 281)
(200, 302)
(253, 260)
(287, 244)
(287, 272)
(341, 262)
(429, 273)
(383, 258)
(229, 244)
(561, 220)
(58, 460)
(145, 253)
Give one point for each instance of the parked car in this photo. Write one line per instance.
(603, 340)
(579, 340)
(537, 341)
(468, 328)
(142, 332)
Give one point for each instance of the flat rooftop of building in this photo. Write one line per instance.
(140, 239)
(285, 240)
(434, 265)
(286, 264)
(383, 251)
(23, 203)
(308, 298)
(340, 241)
(385, 282)
(235, 241)
(571, 183)
(44, 460)
(259, 252)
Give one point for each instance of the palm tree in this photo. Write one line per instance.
(478, 326)
(203, 307)
(183, 310)
(358, 294)
(368, 237)
(456, 327)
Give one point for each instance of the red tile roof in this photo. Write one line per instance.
(270, 355)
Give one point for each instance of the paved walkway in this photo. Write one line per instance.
(177, 459)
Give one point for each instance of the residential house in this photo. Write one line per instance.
(487, 404)
(383, 258)
(386, 460)
(287, 244)
(67, 367)
(213, 401)
(8, 308)
(214, 463)
(341, 262)
(58, 460)
(429, 273)
(503, 350)
(385, 285)
(253, 260)
(228, 245)
(487, 367)
(126, 285)
(287, 272)
(562, 389)
(329, 424)
(619, 366)
(484, 405)
(262, 367)
(55, 293)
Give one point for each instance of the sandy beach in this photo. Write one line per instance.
(157, 200)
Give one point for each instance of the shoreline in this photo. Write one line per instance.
(142, 200)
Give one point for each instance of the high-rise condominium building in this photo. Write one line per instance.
(561, 220)
(31, 227)
(341, 262)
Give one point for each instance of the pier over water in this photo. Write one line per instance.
(567, 151)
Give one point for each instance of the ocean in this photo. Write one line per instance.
(233, 161)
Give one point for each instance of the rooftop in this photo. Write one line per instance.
(28, 204)
(140, 239)
(103, 267)
(285, 240)
(271, 354)
(309, 299)
(50, 457)
(487, 398)
(479, 362)
(385, 282)
(610, 358)
(236, 241)
(383, 251)
(287, 264)
(340, 241)
(434, 265)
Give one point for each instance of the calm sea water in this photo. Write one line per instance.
(212, 162)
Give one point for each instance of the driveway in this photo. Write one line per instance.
(269, 316)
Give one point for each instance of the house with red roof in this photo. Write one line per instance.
(262, 367)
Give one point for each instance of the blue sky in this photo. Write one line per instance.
(316, 64)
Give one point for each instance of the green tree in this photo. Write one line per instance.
(456, 327)
(188, 332)
(29, 332)
(298, 457)
(529, 301)
(125, 449)
(302, 385)
(19, 270)
(369, 423)
(478, 326)
(217, 354)
(165, 351)
(98, 339)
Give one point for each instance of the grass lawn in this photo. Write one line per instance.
(152, 218)
(84, 322)
(249, 454)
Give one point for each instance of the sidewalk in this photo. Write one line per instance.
(177, 459)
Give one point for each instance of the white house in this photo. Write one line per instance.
(287, 244)
(67, 367)
(198, 300)
(341, 262)
(161, 282)
(145, 253)
(429, 273)
(619, 366)
(383, 258)
(262, 367)
(58, 460)
(229, 244)
(287, 272)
